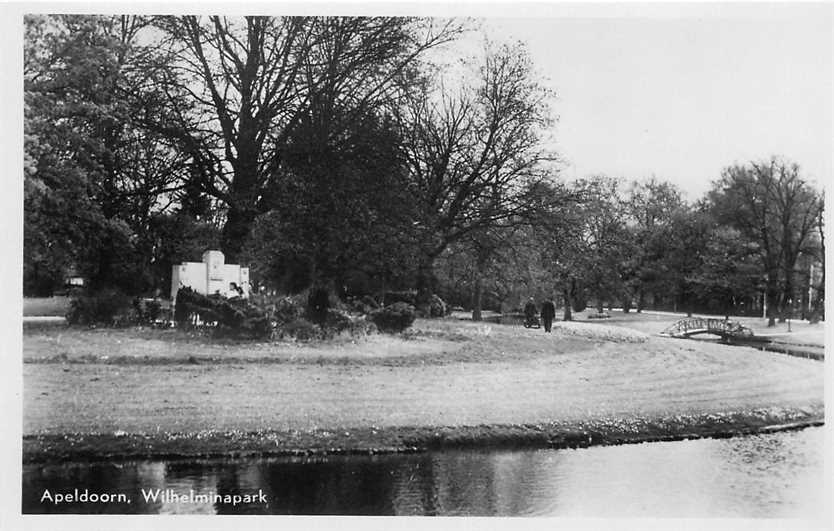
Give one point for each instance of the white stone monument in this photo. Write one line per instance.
(211, 276)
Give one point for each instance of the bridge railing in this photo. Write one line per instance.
(698, 325)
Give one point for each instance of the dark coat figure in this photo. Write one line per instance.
(531, 314)
(530, 309)
(548, 313)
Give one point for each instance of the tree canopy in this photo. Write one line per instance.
(332, 152)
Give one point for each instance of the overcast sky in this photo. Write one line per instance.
(682, 96)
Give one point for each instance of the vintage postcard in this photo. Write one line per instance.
(532, 263)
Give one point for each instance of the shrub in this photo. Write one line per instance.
(233, 317)
(147, 310)
(318, 304)
(434, 307)
(361, 326)
(394, 318)
(391, 297)
(283, 309)
(108, 307)
(437, 308)
(370, 302)
(337, 321)
(364, 305)
(579, 305)
(300, 329)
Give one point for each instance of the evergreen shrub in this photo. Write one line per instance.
(394, 318)
(109, 307)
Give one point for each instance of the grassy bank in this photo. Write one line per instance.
(129, 393)
(45, 306)
(376, 440)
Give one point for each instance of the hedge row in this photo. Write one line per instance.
(304, 317)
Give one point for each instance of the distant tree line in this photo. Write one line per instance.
(332, 152)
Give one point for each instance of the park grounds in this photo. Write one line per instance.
(109, 393)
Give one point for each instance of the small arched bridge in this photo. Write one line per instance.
(724, 328)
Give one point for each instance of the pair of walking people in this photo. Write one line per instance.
(548, 312)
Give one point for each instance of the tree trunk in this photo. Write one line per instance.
(478, 293)
(243, 195)
(787, 295)
(477, 299)
(426, 281)
(235, 232)
(641, 300)
(568, 304)
(770, 294)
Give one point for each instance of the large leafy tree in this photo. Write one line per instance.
(340, 216)
(604, 237)
(94, 177)
(727, 278)
(649, 207)
(771, 204)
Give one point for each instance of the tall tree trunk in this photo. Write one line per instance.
(243, 196)
(771, 295)
(235, 232)
(426, 282)
(568, 303)
(477, 298)
(787, 294)
(478, 295)
(566, 292)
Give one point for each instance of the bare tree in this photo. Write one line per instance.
(474, 157)
(249, 81)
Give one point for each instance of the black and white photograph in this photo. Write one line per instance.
(525, 262)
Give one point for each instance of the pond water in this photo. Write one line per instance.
(761, 476)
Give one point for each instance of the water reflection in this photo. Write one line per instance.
(776, 475)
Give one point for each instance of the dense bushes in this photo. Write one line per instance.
(234, 317)
(362, 305)
(111, 307)
(304, 316)
(147, 310)
(391, 297)
(108, 307)
(434, 307)
(283, 309)
(299, 328)
(437, 308)
(318, 304)
(394, 318)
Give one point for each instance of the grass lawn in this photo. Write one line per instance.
(445, 374)
(45, 306)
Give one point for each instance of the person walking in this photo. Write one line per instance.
(530, 312)
(548, 313)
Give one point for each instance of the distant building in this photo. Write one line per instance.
(211, 276)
